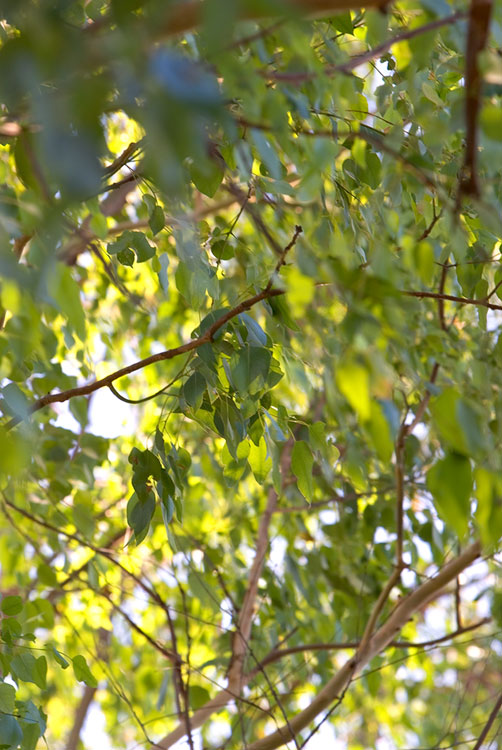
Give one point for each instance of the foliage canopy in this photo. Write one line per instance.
(250, 476)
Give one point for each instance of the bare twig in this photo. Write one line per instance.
(282, 257)
(399, 476)
(442, 282)
(235, 190)
(420, 411)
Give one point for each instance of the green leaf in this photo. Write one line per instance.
(302, 462)
(157, 220)
(139, 514)
(11, 605)
(29, 669)
(194, 388)
(150, 202)
(63, 663)
(222, 249)
(249, 368)
(10, 732)
(379, 430)
(163, 259)
(126, 257)
(207, 175)
(343, 22)
(259, 460)
(82, 671)
(139, 243)
(458, 422)
(99, 225)
(491, 121)
(488, 491)
(354, 382)
(7, 698)
(450, 482)
(66, 294)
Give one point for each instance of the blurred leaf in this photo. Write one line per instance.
(302, 462)
(450, 481)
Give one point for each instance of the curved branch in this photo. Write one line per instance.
(95, 385)
(338, 683)
(206, 338)
(383, 637)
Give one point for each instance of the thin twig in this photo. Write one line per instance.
(442, 282)
(452, 298)
(280, 653)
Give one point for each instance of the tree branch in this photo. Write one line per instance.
(364, 57)
(80, 715)
(377, 643)
(243, 629)
(491, 719)
(280, 653)
(95, 385)
(479, 24)
(451, 298)
(384, 637)
(182, 17)
(207, 337)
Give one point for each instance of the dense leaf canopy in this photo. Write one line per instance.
(251, 383)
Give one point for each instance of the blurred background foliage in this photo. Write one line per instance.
(156, 159)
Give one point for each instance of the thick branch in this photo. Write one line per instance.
(479, 23)
(384, 637)
(378, 642)
(243, 630)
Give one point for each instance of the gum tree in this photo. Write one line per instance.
(273, 231)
